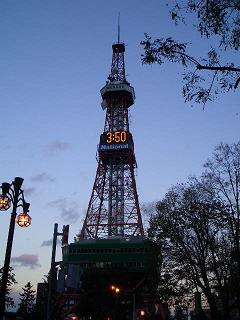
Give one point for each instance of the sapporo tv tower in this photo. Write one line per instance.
(111, 247)
(113, 208)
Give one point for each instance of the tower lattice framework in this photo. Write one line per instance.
(113, 208)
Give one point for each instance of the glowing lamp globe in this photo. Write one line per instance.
(72, 317)
(23, 220)
(5, 203)
(142, 313)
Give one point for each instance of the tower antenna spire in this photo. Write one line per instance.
(118, 27)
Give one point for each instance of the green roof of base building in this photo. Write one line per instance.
(136, 254)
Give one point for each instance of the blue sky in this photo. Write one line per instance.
(55, 58)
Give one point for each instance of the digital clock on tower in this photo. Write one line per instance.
(116, 137)
(115, 141)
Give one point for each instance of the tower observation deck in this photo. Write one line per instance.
(113, 208)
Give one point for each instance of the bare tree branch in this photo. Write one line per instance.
(220, 19)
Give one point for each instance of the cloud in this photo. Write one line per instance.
(42, 177)
(26, 260)
(48, 243)
(55, 147)
(29, 191)
(69, 211)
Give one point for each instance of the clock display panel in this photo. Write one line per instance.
(116, 140)
(116, 136)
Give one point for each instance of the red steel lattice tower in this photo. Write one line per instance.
(113, 208)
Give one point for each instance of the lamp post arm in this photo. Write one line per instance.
(11, 193)
(21, 197)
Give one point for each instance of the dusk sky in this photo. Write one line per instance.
(55, 58)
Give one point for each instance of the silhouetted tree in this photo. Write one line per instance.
(11, 281)
(189, 228)
(27, 298)
(197, 226)
(221, 180)
(204, 77)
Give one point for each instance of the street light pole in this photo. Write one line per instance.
(52, 273)
(134, 298)
(116, 291)
(134, 306)
(16, 196)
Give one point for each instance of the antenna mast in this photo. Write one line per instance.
(118, 27)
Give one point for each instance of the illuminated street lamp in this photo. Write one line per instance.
(142, 313)
(5, 203)
(23, 220)
(115, 289)
(12, 194)
(72, 317)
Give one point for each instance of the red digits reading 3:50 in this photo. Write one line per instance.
(117, 136)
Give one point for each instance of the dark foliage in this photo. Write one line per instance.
(27, 298)
(11, 281)
(197, 227)
(204, 77)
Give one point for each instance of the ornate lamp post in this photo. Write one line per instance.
(116, 291)
(12, 194)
